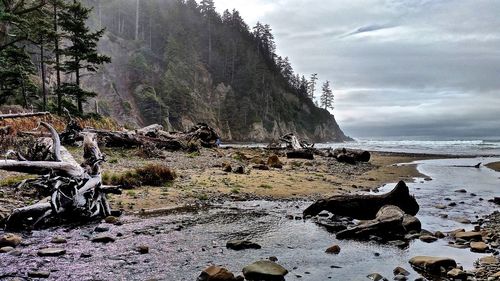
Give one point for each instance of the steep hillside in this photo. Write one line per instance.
(177, 64)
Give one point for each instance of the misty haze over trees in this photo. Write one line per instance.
(173, 60)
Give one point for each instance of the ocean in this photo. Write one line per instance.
(461, 147)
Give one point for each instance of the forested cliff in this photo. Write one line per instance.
(180, 62)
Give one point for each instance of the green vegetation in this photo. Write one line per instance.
(31, 36)
(265, 186)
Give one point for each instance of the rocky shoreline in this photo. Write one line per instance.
(211, 178)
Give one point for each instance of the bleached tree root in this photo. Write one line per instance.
(76, 191)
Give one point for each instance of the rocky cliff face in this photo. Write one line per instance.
(167, 79)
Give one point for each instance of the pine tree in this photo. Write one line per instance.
(16, 72)
(208, 10)
(312, 86)
(81, 53)
(327, 96)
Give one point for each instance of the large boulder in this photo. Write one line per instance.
(432, 265)
(387, 225)
(365, 207)
(265, 271)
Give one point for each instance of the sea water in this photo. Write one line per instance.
(477, 146)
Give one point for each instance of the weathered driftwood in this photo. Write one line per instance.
(151, 136)
(300, 154)
(294, 143)
(22, 115)
(351, 156)
(76, 192)
(388, 225)
(365, 207)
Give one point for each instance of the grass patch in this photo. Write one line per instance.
(150, 175)
(194, 154)
(265, 186)
(14, 180)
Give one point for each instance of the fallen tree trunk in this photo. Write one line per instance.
(351, 156)
(293, 142)
(151, 136)
(365, 207)
(22, 115)
(300, 154)
(76, 192)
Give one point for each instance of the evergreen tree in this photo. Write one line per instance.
(81, 53)
(326, 98)
(16, 20)
(16, 73)
(207, 8)
(304, 86)
(312, 86)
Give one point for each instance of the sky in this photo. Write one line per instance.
(398, 67)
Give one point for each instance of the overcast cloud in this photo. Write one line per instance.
(398, 68)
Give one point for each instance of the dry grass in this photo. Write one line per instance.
(150, 175)
(59, 123)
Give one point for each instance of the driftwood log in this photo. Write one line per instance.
(152, 136)
(365, 207)
(22, 115)
(76, 191)
(294, 143)
(300, 154)
(351, 156)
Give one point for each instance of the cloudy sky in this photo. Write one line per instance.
(398, 67)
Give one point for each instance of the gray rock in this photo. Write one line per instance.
(103, 239)
(428, 238)
(376, 277)
(400, 271)
(51, 252)
(265, 270)
(432, 264)
(59, 240)
(7, 249)
(38, 274)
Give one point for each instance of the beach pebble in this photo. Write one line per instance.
(376, 277)
(264, 270)
(38, 274)
(478, 247)
(216, 273)
(400, 271)
(238, 245)
(103, 239)
(335, 249)
(457, 274)
(428, 238)
(58, 240)
(7, 249)
(10, 239)
(51, 252)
